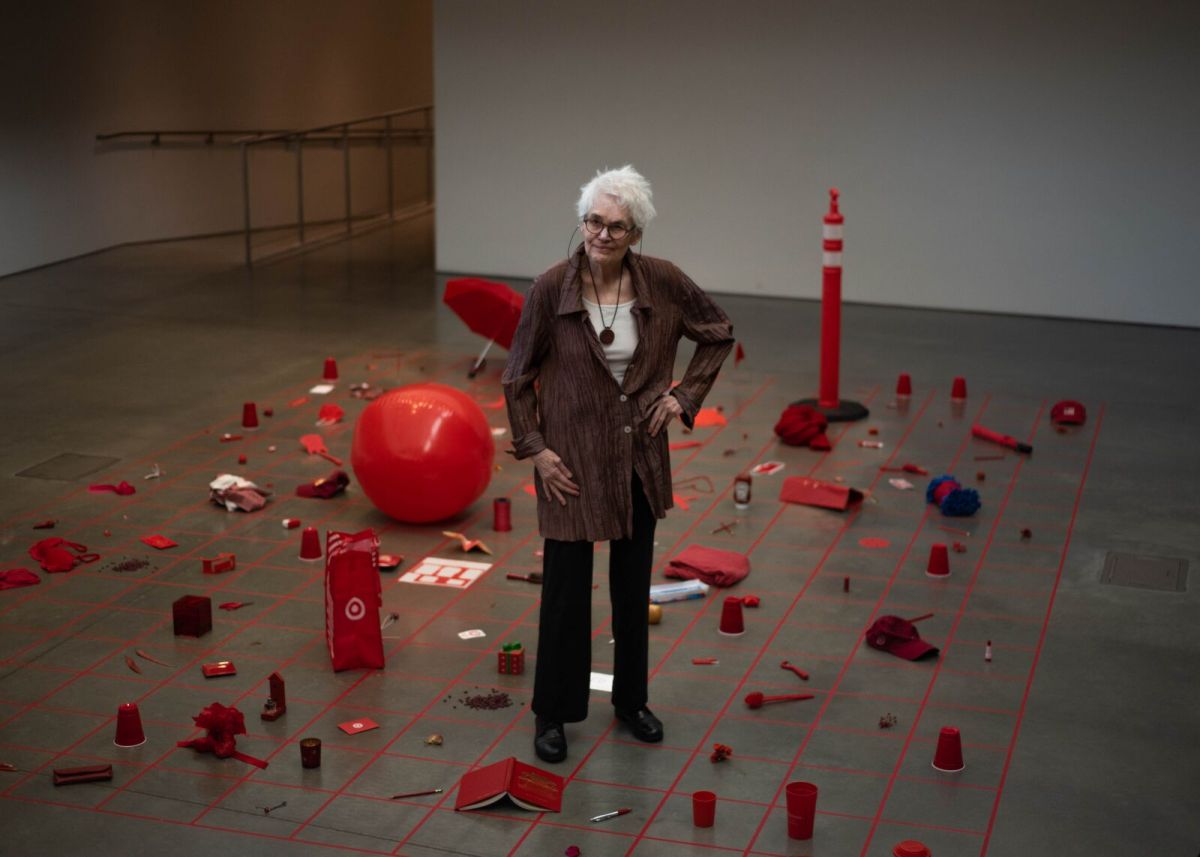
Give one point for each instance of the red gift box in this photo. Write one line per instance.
(193, 616)
(511, 661)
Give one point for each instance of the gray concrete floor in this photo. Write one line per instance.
(1080, 736)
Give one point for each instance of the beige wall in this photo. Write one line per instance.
(69, 70)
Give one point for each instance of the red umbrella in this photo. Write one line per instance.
(489, 308)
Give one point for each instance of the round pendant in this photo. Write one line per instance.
(607, 336)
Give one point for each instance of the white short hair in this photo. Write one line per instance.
(627, 186)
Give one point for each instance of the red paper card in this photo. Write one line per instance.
(362, 724)
(160, 542)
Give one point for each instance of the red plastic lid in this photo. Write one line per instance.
(911, 848)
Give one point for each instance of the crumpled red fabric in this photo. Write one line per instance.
(57, 554)
(325, 487)
(803, 425)
(712, 566)
(17, 577)
(224, 724)
(123, 488)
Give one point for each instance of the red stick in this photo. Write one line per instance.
(757, 700)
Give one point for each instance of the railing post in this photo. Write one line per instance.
(346, 171)
(429, 155)
(300, 185)
(246, 201)
(391, 196)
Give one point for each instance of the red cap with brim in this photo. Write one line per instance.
(899, 637)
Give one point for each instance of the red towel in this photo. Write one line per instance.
(16, 577)
(712, 566)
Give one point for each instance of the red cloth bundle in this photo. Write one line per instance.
(803, 425)
(224, 724)
(711, 566)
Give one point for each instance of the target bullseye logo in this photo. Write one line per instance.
(355, 609)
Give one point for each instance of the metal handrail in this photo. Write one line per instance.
(210, 138)
(345, 136)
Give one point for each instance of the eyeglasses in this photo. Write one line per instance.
(616, 231)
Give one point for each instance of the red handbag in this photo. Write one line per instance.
(353, 596)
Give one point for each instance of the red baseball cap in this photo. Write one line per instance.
(1068, 413)
(899, 637)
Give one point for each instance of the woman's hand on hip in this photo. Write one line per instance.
(662, 412)
(556, 478)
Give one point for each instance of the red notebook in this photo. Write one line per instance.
(528, 787)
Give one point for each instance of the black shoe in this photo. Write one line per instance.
(550, 741)
(644, 725)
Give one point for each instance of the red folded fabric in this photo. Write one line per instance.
(17, 577)
(124, 489)
(803, 425)
(712, 566)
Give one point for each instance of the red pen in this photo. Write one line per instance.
(607, 815)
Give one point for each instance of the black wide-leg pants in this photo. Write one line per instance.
(564, 653)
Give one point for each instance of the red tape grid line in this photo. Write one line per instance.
(243, 521)
(1012, 744)
(832, 692)
(517, 718)
(949, 638)
(674, 646)
(642, 834)
(68, 631)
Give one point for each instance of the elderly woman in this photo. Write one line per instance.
(588, 385)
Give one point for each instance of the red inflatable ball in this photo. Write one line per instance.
(422, 453)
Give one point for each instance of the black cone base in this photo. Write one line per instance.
(845, 412)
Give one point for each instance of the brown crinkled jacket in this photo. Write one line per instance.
(562, 395)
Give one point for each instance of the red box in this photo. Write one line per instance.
(193, 616)
(511, 662)
(219, 564)
(218, 668)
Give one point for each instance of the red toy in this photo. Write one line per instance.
(511, 659)
(423, 453)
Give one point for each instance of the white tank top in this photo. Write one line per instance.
(625, 335)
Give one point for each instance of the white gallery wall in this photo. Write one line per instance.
(69, 70)
(1025, 157)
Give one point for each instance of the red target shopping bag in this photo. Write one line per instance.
(353, 597)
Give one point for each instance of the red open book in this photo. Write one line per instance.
(528, 787)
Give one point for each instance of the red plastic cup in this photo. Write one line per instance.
(732, 624)
(704, 808)
(129, 726)
(939, 562)
(310, 545)
(249, 416)
(948, 757)
(904, 384)
(911, 848)
(501, 515)
(310, 752)
(801, 809)
(330, 373)
(958, 388)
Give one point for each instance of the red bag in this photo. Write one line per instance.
(814, 492)
(353, 596)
